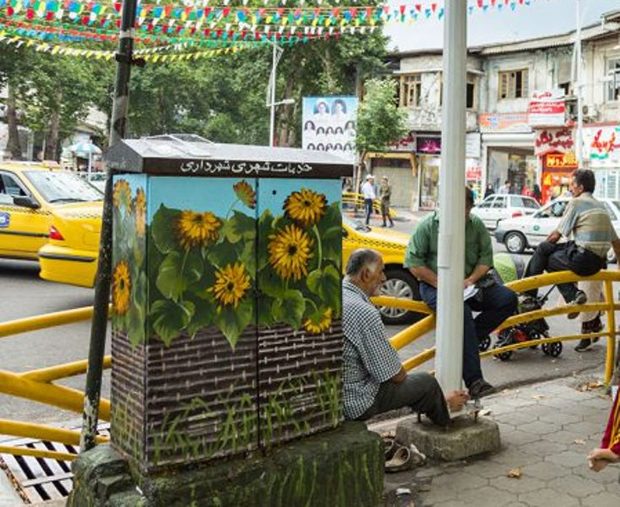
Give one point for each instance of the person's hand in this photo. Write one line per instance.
(456, 400)
(600, 458)
(468, 282)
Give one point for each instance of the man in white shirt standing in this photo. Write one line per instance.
(368, 191)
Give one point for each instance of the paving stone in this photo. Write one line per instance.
(548, 498)
(487, 469)
(519, 437)
(563, 437)
(487, 497)
(575, 485)
(544, 471)
(539, 428)
(425, 473)
(437, 495)
(587, 429)
(569, 459)
(459, 481)
(601, 500)
(560, 418)
(515, 458)
(543, 448)
(607, 477)
(513, 418)
(516, 486)
(451, 503)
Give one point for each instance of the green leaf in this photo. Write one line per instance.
(290, 309)
(136, 324)
(163, 231)
(170, 318)
(204, 312)
(233, 321)
(265, 228)
(239, 226)
(326, 284)
(177, 272)
(268, 282)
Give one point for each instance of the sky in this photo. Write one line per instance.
(540, 18)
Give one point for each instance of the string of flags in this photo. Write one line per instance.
(54, 25)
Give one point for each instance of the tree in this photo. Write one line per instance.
(379, 119)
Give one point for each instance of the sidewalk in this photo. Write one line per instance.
(547, 430)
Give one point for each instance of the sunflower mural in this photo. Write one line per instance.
(128, 256)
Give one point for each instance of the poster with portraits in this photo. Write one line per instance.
(329, 124)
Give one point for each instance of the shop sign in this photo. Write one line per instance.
(553, 140)
(602, 146)
(503, 122)
(430, 145)
(473, 170)
(561, 161)
(407, 143)
(472, 145)
(547, 109)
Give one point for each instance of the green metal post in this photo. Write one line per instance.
(102, 285)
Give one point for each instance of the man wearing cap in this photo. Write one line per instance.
(368, 191)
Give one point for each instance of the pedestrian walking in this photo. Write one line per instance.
(368, 191)
(385, 193)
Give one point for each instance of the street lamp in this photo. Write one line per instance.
(271, 93)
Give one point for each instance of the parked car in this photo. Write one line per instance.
(521, 233)
(32, 196)
(392, 245)
(498, 207)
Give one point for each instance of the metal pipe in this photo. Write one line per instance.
(451, 252)
(579, 89)
(272, 112)
(124, 58)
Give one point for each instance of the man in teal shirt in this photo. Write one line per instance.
(494, 302)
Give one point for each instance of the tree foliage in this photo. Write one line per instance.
(379, 120)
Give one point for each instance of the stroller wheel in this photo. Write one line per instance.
(484, 343)
(504, 356)
(552, 349)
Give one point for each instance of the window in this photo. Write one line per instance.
(9, 186)
(487, 202)
(613, 74)
(513, 84)
(500, 202)
(410, 90)
(471, 102)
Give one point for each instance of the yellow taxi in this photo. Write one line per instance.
(392, 245)
(32, 195)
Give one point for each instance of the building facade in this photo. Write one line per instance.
(521, 115)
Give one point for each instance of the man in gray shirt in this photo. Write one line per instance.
(374, 379)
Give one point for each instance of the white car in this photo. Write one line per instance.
(520, 233)
(498, 207)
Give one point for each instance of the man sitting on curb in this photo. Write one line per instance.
(589, 224)
(374, 379)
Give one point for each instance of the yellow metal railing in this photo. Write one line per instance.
(38, 385)
(609, 306)
(354, 200)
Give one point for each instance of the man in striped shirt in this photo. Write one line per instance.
(588, 226)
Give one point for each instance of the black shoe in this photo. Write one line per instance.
(579, 299)
(584, 344)
(480, 388)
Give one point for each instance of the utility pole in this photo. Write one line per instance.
(94, 373)
(271, 93)
(579, 89)
(451, 254)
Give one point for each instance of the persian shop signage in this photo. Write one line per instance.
(547, 109)
(553, 140)
(431, 145)
(503, 122)
(560, 161)
(602, 146)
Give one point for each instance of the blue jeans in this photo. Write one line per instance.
(368, 209)
(497, 304)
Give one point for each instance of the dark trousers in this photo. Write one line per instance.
(567, 256)
(420, 391)
(495, 305)
(368, 209)
(385, 212)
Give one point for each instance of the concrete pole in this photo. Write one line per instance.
(579, 86)
(272, 98)
(451, 254)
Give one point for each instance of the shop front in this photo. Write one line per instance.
(602, 153)
(556, 177)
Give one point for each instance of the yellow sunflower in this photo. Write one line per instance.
(121, 288)
(140, 211)
(320, 324)
(197, 229)
(305, 207)
(231, 284)
(245, 193)
(121, 194)
(289, 252)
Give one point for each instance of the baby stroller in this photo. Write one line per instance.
(509, 268)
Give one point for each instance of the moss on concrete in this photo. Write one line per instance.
(340, 468)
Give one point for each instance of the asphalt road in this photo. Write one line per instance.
(23, 294)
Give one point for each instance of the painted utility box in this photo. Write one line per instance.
(226, 298)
